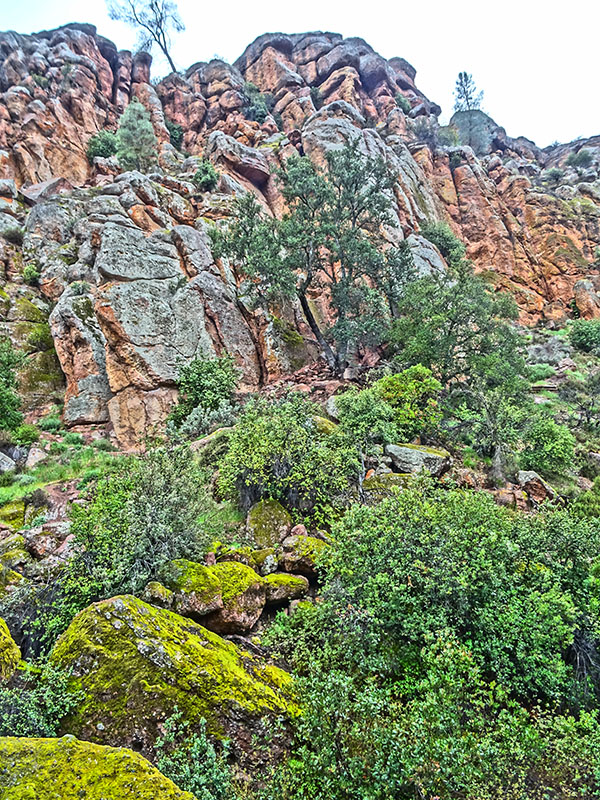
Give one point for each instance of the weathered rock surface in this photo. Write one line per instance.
(50, 768)
(412, 458)
(134, 663)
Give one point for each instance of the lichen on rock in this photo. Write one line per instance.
(10, 655)
(268, 522)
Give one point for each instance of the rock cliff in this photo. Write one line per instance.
(128, 284)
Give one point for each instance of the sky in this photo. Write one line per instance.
(537, 62)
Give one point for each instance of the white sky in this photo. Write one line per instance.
(536, 60)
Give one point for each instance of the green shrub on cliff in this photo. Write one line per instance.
(206, 389)
(206, 177)
(10, 361)
(101, 145)
(136, 143)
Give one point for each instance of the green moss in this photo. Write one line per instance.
(379, 486)
(282, 587)
(26, 310)
(13, 514)
(284, 579)
(234, 578)
(210, 449)
(309, 547)
(325, 426)
(134, 663)
(49, 769)
(188, 576)
(422, 449)
(10, 655)
(14, 542)
(14, 558)
(265, 521)
(157, 594)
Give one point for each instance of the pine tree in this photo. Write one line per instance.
(136, 142)
(467, 98)
(153, 19)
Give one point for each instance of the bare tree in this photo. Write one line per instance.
(467, 98)
(154, 19)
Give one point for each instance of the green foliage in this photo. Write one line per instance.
(584, 334)
(207, 385)
(191, 761)
(26, 434)
(466, 96)
(277, 451)
(449, 245)
(14, 235)
(414, 396)
(587, 504)
(10, 361)
(175, 133)
(50, 424)
(101, 145)
(539, 372)
(31, 274)
(553, 176)
(74, 439)
(316, 97)
(136, 143)
(403, 103)
(257, 105)
(38, 701)
(550, 448)
(206, 177)
(580, 160)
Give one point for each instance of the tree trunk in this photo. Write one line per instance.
(328, 353)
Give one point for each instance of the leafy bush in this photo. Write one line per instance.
(191, 761)
(539, 372)
(206, 384)
(56, 448)
(40, 338)
(101, 145)
(587, 504)
(403, 103)
(103, 444)
(581, 160)
(50, 424)
(175, 133)
(413, 394)
(316, 97)
(584, 334)
(10, 416)
(14, 235)
(276, 450)
(136, 143)
(553, 176)
(26, 434)
(258, 105)
(201, 421)
(31, 274)
(74, 439)
(38, 702)
(206, 177)
(550, 448)
(449, 245)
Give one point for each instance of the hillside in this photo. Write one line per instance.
(299, 445)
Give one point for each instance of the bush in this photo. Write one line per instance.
(584, 334)
(205, 384)
(550, 448)
(539, 372)
(50, 424)
(206, 177)
(191, 761)
(104, 445)
(581, 160)
(56, 448)
(276, 450)
(101, 145)
(553, 176)
(175, 133)
(26, 434)
(36, 705)
(403, 103)
(14, 235)
(442, 236)
(257, 105)
(202, 421)
(10, 416)
(316, 97)
(136, 143)
(74, 439)
(413, 394)
(31, 274)
(587, 504)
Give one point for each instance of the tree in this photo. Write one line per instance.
(153, 19)
(10, 416)
(467, 98)
(136, 142)
(328, 241)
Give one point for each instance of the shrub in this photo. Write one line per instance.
(103, 444)
(175, 133)
(553, 176)
(206, 177)
(587, 504)
(550, 448)
(403, 103)
(205, 384)
(316, 97)
(191, 761)
(136, 143)
(14, 235)
(40, 338)
(74, 439)
(413, 394)
(38, 703)
(101, 145)
(581, 160)
(10, 416)
(257, 105)
(26, 434)
(56, 448)
(50, 424)
(539, 372)
(277, 451)
(31, 274)
(584, 334)
(202, 421)
(448, 137)
(442, 236)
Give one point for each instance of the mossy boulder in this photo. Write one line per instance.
(210, 449)
(10, 655)
(196, 589)
(66, 769)
(301, 553)
(13, 514)
(281, 587)
(134, 663)
(158, 595)
(377, 487)
(244, 596)
(325, 426)
(413, 458)
(268, 523)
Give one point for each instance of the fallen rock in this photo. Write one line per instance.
(244, 596)
(46, 769)
(6, 463)
(10, 655)
(281, 587)
(134, 663)
(268, 522)
(535, 487)
(379, 486)
(300, 554)
(413, 458)
(196, 589)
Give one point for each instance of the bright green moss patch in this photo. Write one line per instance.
(49, 769)
(282, 587)
(10, 655)
(324, 425)
(13, 514)
(266, 520)
(234, 578)
(135, 663)
(188, 576)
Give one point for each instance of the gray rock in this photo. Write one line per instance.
(412, 458)
(6, 463)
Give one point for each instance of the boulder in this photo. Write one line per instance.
(6, 463)
(535, 486)
(268, 523)
(281, 587)
(300, 554)
(134, 663)
(413, 458)
(10, 655)
(196, 589)
(47, 769)
(244, 596)
(376, 487)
